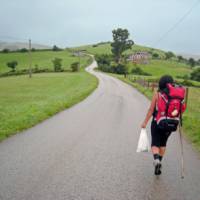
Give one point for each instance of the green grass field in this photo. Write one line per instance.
(24, 102)
(43, 59)
(160, 67)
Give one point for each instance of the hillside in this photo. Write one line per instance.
(156, 67)
(105, 48)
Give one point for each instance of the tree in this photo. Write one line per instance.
(120, 43)
(180, 58)
(120, 69)
(191, 62)
(103, 59)
(75, 66)
(155, 55)
(169, 55)
(23, 50)
(57, 62)
(5, 50)
(55, 48)
(12, 65)
(195, 75)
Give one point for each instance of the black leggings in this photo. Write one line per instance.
(158, 137)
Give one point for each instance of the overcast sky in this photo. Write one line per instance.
(77, 22)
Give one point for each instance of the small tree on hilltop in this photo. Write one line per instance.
(12, 65)
(55, 48)
(180, 58)
(5, 50)
(57, 62)
(169, 55)
(192, 62)
(120, 43)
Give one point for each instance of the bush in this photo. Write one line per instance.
(95, 45)
(103, 59)
(75, 66)
(57, 62)
(23, 50)
(195, 75)
(5, 50)
(12, 65)
(120, 68)
(169, 55)
(185, 77)
(155, 55)
(191, 62)
(187, 83)
(139, 71)
(104, 62)
(55, 48)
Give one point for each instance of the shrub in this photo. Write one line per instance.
(23, 50)
(139, 71)
(185, 77)
(5, 50)
(75, 66)
(155, 55)
(195, 75)
(191, 62)
(103, 59)
(57, 62)
(95, 45)
(55, 48)
(187, 83)
(169, 55)
(12, 65)
(120, 68)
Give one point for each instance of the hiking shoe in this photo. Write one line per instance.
(157, 165)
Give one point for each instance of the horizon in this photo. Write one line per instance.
(78, 24)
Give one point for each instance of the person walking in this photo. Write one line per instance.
(159, 137)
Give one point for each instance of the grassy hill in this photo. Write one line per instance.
(105, 48)
(156, 67)
(41, 59)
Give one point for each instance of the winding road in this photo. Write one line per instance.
(88, 152)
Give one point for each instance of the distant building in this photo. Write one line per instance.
(79, 53)
(139, 57)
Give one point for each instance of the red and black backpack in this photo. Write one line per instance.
(170, 106)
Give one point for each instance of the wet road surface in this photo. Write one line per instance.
(88, 152)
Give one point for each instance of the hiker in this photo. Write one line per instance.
(159, 135)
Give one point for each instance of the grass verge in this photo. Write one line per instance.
(25, 102)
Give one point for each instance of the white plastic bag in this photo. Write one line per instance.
(143, 142)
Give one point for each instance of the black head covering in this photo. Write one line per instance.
(164, 80)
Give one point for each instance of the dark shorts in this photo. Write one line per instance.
(158, 137)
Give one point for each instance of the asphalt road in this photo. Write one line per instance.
(88, 152)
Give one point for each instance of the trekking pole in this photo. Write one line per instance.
(181, 138)
(182, 158)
